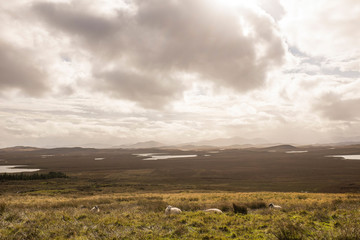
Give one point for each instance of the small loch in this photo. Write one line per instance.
(16, 169)
(347, 157)
(297, 151)
(161, 156)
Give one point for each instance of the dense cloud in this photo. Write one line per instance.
(151, 93)
(18, 72)
(333, 107)
(72, 19)
(160, 39)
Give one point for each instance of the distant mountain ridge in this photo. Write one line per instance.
(20, 148)
(147, 144)
(235, 142)
(222, 142)
(226, 143)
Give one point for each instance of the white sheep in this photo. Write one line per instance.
(271, 205)
(214, 210)
(95, 209)
(172, 210)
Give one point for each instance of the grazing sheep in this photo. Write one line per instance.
(271, 205)
(95, 209)
(172, 210)
(214, 210)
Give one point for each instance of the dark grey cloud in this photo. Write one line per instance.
(151, 93)
(18, 72)
(333, 107)
(71, 19)
(164, 37)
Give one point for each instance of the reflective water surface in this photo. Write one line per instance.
(16, 169)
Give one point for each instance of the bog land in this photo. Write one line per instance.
(319, 194)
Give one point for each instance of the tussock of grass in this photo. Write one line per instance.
(289, 231)
(242, 209)
(256, 205)
(151, 205)
(2, 208)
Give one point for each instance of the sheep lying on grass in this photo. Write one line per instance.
(172, 210)
(271, 205)
(214, 210)
(95, 209)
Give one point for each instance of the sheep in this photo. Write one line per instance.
(95, 209)
(214, 210)
(172, 210)
(271, 205)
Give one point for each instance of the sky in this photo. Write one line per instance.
(112, 72)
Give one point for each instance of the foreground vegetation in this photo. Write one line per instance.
(141, 216)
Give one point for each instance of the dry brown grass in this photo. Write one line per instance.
(141, 216)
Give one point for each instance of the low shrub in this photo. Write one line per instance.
(190, 206)
(152, 205)
(180, 231)
(33, 176)
(289, 231)
(2, 208)
(256, 205)
(242, 209)
(226, 207)
(349, 231)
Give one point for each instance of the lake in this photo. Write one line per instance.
(347, 157)
(161, 156)
(296, 151)
(16, 169)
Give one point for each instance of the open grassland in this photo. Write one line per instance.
(141, 216)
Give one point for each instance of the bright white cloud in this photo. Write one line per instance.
(325, 28)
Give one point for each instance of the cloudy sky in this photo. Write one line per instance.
(74, 72)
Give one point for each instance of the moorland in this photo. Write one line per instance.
(319, 194)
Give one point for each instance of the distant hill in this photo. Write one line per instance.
(284, 147)
(96, 145)
(148, 144)
(223, 142)
(20, 149)
(190, 147)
